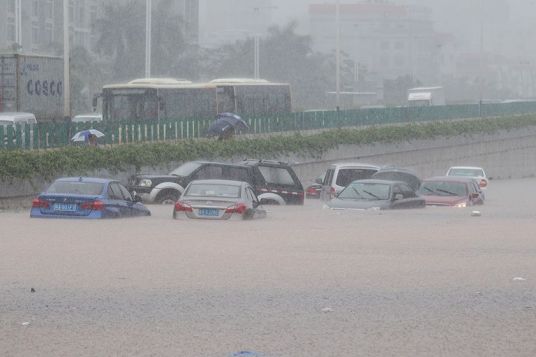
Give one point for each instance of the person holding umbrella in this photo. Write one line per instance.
(226, 125)
(92, 140)
(227, 134)
(87, 136)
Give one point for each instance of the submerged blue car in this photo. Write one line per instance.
(87, 197)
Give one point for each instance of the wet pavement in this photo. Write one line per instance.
(306, 281)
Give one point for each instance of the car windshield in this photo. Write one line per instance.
(366, 191)
(78, 188)
(466, 172)
(185, 169)
(443, 188)
(212, 190)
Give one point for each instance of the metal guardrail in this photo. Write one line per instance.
(53, 135)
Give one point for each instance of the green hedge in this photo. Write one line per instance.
(48, 164)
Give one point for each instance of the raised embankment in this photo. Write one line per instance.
(504, 154)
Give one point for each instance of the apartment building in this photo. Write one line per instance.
(41, 23)
(389, 39)
(227, 21)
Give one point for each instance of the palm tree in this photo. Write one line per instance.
(122, 40)
(284, 56)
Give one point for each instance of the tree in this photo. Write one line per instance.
(87, 76)
(284, 56)
(121, 39)
(396, 90)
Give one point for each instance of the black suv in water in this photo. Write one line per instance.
(274, 182)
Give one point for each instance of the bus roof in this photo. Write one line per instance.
(243, 81)
(157, 83)
(425, 88)
(161, 81)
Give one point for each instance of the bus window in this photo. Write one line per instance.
(189, 103)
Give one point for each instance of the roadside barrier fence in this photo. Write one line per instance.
(59, 134)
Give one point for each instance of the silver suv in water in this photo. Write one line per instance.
(340, 175)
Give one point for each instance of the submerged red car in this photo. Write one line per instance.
(313, 190)
(451, 191)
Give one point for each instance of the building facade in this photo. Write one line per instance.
(41, 23)
(227, 21)
(388, 39)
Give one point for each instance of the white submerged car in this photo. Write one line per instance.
(218, 199)
(477, 173)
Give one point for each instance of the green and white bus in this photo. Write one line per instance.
(154, 99)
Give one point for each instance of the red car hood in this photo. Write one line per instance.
(444, 200)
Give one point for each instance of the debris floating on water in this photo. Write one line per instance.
(327, 309)
(245, 354)
(476, 214)
(25, 323)
(518, 278)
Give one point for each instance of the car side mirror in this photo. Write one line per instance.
(398, 196)
(318, 180)
(475, 195)
(490, 178)
(256, 204)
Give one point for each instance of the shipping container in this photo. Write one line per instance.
(32, 84)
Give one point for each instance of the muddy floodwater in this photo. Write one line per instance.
(306, 281)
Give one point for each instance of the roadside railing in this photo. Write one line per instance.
(53, 135)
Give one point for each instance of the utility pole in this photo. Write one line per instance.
(257, 39)
(256, 50)
(148, 10)
(66, 62)
(338, 56)
(481, 60)
(18, 25)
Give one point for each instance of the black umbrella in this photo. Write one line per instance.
(234, 120)
(225, 122)
(218, 128)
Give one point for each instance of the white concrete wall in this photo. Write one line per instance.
(503, 155)
(509, 154)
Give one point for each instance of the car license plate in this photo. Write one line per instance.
(65, 207)
(209, 212)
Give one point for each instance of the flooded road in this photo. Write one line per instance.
(306, 281)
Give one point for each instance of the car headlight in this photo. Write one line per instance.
(461, 205)
(146, 183)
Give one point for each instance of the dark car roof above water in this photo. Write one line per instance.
(377, 181)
